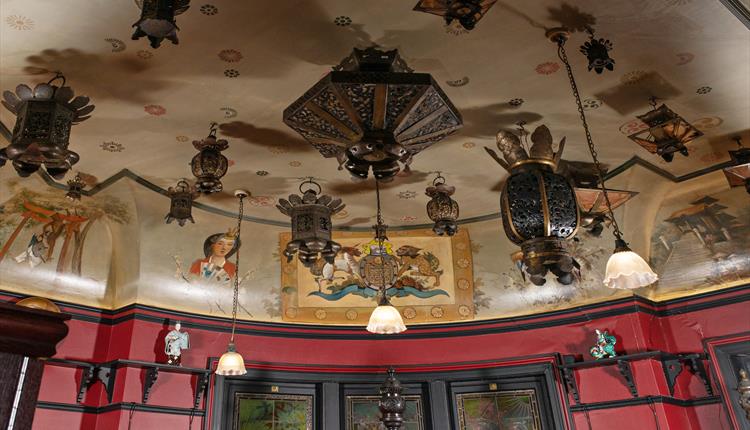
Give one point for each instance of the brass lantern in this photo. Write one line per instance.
(157, 20)
(460, 16)
(75, 188)
(209, 165)
(538, 206)
(441, 208)
(181, 198)
(311, 224)
(373, 113)
(739, 172)
(666, 134)
(391, 403)
(41, 134)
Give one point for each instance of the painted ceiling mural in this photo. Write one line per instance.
(113, 248)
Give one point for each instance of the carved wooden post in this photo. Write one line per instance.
(29, 330)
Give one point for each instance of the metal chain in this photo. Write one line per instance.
(564, 58)
(237, 267)
(378, 229)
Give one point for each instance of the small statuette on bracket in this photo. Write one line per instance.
(605, 345)
(174, 343)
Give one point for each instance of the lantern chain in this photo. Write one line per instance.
(237, 266)
(379, 232)
(589, 140)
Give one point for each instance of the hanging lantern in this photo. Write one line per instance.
(181, 203)
(311, 224)
(666, 134)
(597, 52)
(373, 113)
(461, 16)
(441, 208)
(738, 173)
(391, 403)
(209, 165)
(41, 134)
(157, 20)
(538, 206)
(75, 188)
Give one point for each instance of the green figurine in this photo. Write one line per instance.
(605, 345)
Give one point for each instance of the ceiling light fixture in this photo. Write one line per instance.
(181, 198)
(441, 208)
(461, 16)
(209, 165)
(379, 270)
(667, 132)
(44, 117)
(311, 224)
(597, 52)
(157, 20)
(231, 362)
(373, 113)
(538, 206)
(75, 188)
(391, 403)
(739, 172)
(625, 268)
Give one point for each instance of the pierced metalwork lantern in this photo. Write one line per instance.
(538, 206)
(739, 173)
(311, 224)
(597, 52)
(666, 134)
(75, 188)
(209, 165)
(373, 112)
(441, 208)
(391, 403)
(157, 20)
(181, 198)
(460, 16)
(41, 134)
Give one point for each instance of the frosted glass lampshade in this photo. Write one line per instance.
(626, 270)
(231, 363)
(386, 319)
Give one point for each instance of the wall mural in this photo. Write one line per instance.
(435, 281)
(702, 242)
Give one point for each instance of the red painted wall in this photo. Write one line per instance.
(638, 327)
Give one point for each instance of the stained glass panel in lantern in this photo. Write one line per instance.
(362, 413)
(272, 411)
(498, 410)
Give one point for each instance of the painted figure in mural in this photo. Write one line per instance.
(422, 263)
(605, 345)
(217, 248)
(345, 261)
(36, 249)
(174, 343)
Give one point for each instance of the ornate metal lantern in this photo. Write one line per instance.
(311, 224)
(441, 208)
(739, 172)
(181, 198)
(666, 134)
(538, 206)
(460, 15)
(209, 165)
(373, 112)
(41, 134)
(597, 52)
(75, 188)
(391, 403)
(157, 20)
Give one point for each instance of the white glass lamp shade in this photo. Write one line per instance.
(231, 363)
(626, 270)
(386, 319)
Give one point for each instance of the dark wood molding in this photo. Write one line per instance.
(31, 332)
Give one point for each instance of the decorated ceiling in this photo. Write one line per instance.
(240, 64)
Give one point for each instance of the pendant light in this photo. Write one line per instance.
(385, 319)
(625, 268)
(231, 362)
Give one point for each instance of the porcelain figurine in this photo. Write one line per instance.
(174, 343)
(605, 345)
